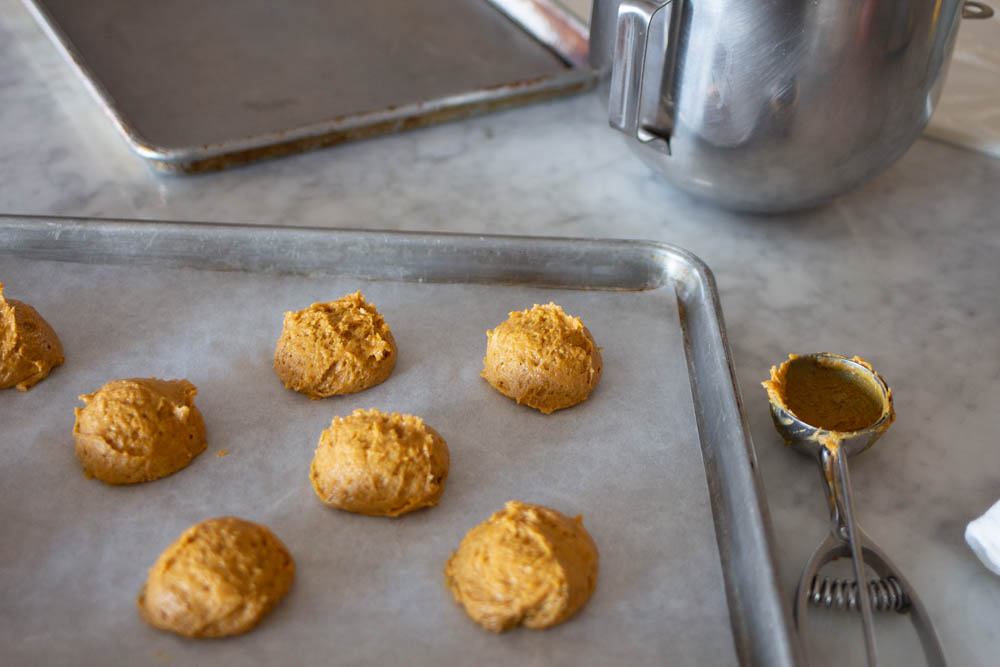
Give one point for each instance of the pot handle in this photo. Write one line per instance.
(638, 20)
(976, 10)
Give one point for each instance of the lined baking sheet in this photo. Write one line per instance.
(367, 590)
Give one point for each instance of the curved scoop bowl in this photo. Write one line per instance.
(809, 439)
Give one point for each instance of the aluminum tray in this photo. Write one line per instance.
(196, 86)
(687, 569)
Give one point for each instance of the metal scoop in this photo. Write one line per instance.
(842, 433)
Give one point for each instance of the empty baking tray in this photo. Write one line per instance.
(198, 86)
(658, 460)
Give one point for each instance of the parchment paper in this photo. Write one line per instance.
(368, 591)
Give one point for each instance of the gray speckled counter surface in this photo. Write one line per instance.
(905, 272)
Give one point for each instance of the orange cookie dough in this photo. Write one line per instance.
(219, 578)
(334, 348)
(379, 464)
(828, 393)
(138, 430)
(29, 348)
(543, 358)
(526, 565)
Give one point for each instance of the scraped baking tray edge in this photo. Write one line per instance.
(545, 20)
(759, 614)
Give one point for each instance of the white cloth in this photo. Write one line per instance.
(983, 536)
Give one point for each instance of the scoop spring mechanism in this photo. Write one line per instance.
(885, 594)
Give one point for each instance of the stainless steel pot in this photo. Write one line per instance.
(773, 105)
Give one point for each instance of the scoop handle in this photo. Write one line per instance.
(847, 539)
(834, 464)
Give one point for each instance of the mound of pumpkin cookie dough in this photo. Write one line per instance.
(334, 348)
(526, 565)
(29, 347)
(543, 358)
(379, 464)
(219, 578)
(138, 430)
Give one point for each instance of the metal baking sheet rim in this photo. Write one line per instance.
(533, 17)
(759, 613)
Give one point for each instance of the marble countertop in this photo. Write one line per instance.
(904, 272)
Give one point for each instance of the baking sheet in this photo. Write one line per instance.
(198, 86)
(368, 590)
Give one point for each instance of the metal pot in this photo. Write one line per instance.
(773, 105)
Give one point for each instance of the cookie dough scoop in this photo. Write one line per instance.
(830, 407)
(29, 346)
